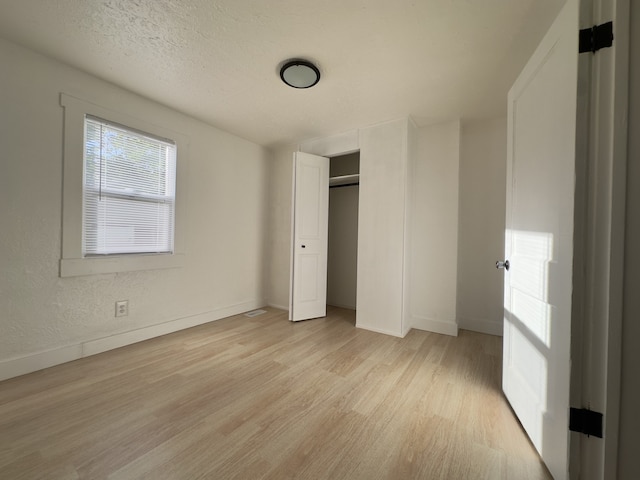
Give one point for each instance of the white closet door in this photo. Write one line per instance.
(308, 296)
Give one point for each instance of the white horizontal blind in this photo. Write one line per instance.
(129, 190)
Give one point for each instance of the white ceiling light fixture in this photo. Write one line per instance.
(299, 74)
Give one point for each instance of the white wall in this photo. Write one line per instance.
(433, 218)
(381, 227)
(483, 159)
(45, 319)
(279, 235)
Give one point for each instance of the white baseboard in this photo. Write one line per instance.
(30, 363)
(279, 307)
(435, 326)
(481, 325)
(379, 330)
(38, 361)
(406, 329)
(347, 307)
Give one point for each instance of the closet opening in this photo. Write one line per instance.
(342, 255)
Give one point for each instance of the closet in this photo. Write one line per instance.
(342, 259)
(382, 226)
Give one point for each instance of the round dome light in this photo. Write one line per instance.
(300, 74)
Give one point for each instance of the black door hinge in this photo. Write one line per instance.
(585, 421)
(597, 37)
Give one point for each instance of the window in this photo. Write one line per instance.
(123, 198)
(129, 190)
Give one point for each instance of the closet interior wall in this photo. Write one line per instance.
(342, 259)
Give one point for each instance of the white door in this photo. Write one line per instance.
(308, 295)
(539, 240)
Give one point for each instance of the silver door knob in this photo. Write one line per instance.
(501, 264)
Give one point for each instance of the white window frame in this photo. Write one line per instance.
(73, 263)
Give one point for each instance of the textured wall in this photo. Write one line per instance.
(483, 162)
(226, 225)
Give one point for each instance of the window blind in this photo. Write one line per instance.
(129, 190)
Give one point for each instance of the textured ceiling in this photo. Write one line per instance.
(218, 60)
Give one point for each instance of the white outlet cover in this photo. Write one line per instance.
(122, 308)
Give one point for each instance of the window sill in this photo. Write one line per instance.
(75, 267)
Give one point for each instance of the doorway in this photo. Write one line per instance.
(342, 259)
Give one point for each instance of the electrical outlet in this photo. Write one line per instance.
(122, 308)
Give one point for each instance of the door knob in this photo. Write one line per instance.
(501, 264)
(303, 246)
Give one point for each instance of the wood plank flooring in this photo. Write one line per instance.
(263, 398)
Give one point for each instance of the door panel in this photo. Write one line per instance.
(308, 269)
(310, 237)
(539, 240)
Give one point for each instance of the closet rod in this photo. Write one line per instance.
(353, 179)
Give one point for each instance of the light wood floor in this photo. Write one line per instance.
(249, 398)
